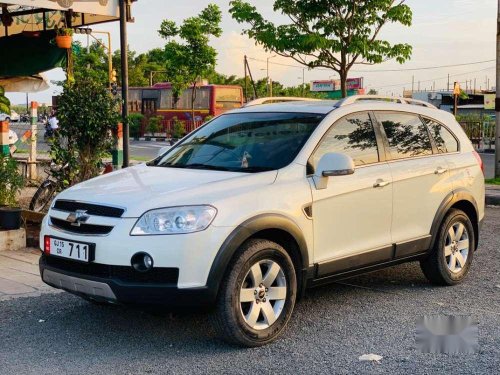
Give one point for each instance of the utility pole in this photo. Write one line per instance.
(246, 78)
(497, 100)
(418, 85)
(124, 73)
(412, 84)
(474, 85)
(448, 86)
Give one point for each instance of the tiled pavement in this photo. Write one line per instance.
(19, 275)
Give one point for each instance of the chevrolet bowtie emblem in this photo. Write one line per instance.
(78, 217)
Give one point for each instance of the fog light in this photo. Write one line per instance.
(142, 262)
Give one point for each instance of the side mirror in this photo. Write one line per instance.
(330, 165)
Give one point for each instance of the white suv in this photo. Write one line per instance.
(260, 203)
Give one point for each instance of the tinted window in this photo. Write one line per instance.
(244, 142)
(407, 135)
(444, 140)
(352, 135)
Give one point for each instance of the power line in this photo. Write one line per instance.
(435, 79)
(381, 70)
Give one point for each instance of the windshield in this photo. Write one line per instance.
(244, 142)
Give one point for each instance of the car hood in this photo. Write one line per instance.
(142, 188)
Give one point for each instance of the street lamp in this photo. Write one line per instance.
(269, 84)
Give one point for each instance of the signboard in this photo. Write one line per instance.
(323, 86)
(456, 88)
(334, 85)
(489, 101)
(97, 7)
(38, 15)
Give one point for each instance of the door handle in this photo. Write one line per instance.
(381, 183)
(440, 170)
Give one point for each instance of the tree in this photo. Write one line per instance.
(91, 62)
(87, 114)
(187, 62)
(335, 34)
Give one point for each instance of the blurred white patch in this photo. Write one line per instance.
(371, 357)
(449, 334)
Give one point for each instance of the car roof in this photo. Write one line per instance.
(320, 107)
(326, 106)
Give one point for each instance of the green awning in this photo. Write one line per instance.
(30, 54)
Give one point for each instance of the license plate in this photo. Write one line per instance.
(72, 250)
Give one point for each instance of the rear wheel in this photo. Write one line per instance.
(257, 296)
(451, 257)
(43, 196)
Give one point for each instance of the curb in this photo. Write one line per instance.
(492, 200)
(152, 139)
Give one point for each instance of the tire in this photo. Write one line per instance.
(43, 196)
(453, 251)
(253, 323)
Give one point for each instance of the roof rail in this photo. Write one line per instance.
(278, 99)
(356, 98)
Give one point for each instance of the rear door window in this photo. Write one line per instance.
(407, 135)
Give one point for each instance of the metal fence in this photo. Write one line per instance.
(481, 134)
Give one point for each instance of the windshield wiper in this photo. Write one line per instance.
(198, 166)
(255, 169)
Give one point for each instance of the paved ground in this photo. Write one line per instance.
(19, 275)
(330, 329)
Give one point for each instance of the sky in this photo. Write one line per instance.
(444, 32)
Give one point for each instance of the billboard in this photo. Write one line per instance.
(334, 85)
(489, 101)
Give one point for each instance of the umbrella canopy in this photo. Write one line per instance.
(34, 83)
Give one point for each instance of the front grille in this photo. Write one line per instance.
(123, 273)
(85, 229)
(91, 209)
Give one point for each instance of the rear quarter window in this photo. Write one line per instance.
(443, 138)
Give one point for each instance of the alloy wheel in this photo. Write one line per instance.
(456, 249)
(263, 294)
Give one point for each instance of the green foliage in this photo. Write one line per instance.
(373, 92)
(87, 115)
(63, 31)
(179, 129)
(91, 63)
(11, 182)
(154, 124)
(134, 123)
(4, 102)
(335, 34)
(186, 62)
(492, 181)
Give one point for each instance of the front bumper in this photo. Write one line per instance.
(113, 288)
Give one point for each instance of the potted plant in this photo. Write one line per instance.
(10, 185)
(64, 37)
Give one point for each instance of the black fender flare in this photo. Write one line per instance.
(448, 202)
(246, 230)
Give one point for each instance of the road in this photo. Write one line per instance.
(330, 328)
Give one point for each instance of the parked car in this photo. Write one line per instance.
(250, 210)
(4, 116)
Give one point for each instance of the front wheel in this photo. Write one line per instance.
(43, 196)
(451, 256)
(257, 296)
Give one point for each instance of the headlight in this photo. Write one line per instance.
(174, 220)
